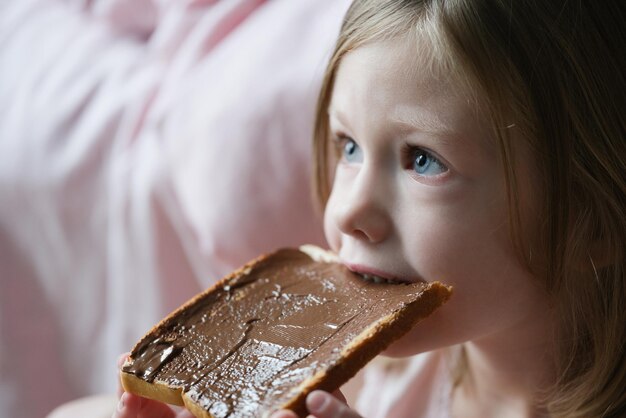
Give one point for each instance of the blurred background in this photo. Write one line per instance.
(147, 148)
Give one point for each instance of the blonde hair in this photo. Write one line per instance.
(554, 71)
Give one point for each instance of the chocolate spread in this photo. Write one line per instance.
(240, 349)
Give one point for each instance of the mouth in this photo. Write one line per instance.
(375, 276)
(367, 273)
(378, 279)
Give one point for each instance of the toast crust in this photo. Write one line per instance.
(155, 390)
(361, 349)
(371, 342)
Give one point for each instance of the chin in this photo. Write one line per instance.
(432, 333)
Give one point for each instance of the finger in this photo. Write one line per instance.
(120, 362)
(122, 359)
(133, 406)
(283, 414)
(337, 394)
(124, 408)
(324, 405)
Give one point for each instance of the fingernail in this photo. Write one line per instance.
(317, 401)
(120, 404)
(121, 360)
(279, 414)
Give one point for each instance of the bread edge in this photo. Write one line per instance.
(158, 390)
(361, 351)
(369, 343)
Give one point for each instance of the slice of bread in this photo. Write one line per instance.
(271, 332)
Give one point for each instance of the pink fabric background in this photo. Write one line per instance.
(147, 148)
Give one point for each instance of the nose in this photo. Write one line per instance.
(363, 210)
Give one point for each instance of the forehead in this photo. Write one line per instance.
(403, 79)
(396, 63)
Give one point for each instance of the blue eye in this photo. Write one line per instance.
(351, 151)
(425, 164)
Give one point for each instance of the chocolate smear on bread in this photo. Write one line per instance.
(268, 334)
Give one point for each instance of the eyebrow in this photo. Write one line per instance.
(421, 121)
(337, 114)
(424, 122)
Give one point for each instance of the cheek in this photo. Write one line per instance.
(453, 240)
(473, 253)
(333, 237)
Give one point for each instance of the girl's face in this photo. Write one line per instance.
(419, 194)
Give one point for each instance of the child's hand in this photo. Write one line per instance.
(133, 406)
(323, 405)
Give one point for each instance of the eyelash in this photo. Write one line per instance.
(339, 140)
(408, 154)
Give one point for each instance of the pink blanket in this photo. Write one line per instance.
(147, 148)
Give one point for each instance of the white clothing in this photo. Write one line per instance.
(417, 387)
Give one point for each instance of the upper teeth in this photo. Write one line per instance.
(376, 279)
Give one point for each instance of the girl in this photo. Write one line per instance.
(480, 143)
